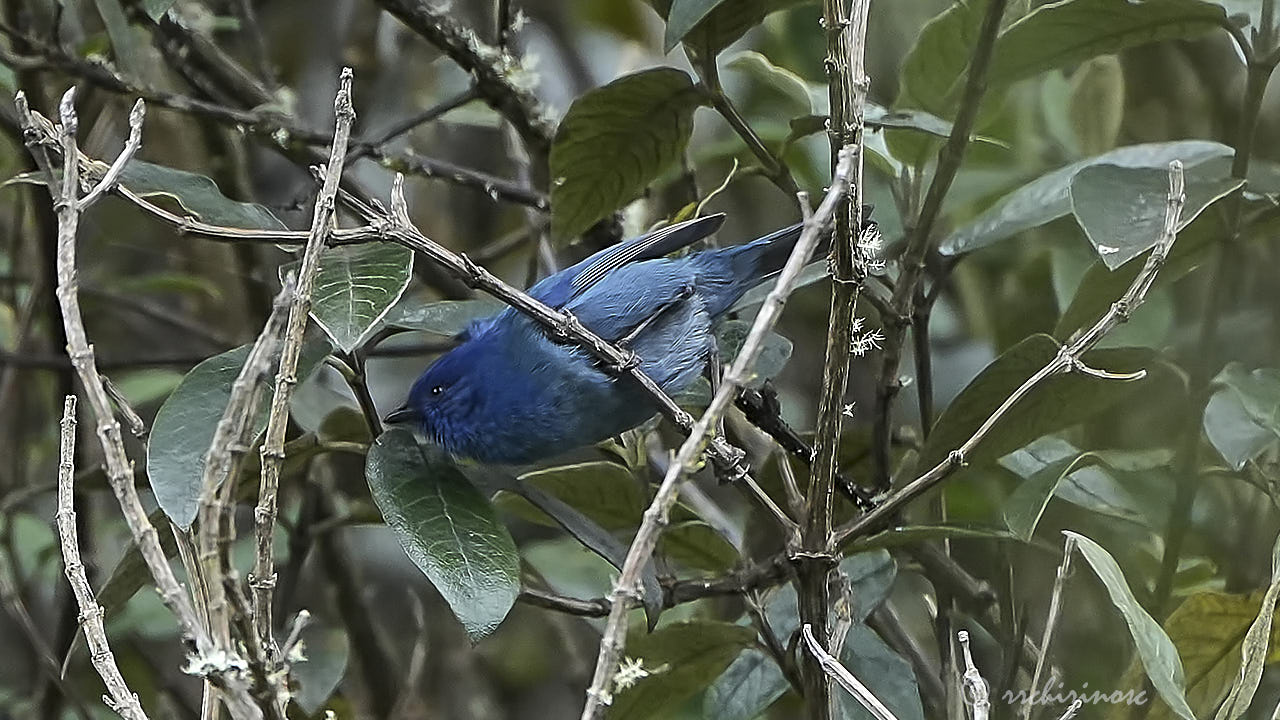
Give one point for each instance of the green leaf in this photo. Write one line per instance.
(1072, 31)
(1097, 104)
(746, 688)
(1048, 197)
(141, 387)
(185, 424)
(1122, 210)
(1023, 509)
(197, 194)
(935, 63)
(327, 650)
(682, 17)
(788, 92)
(886, 673)
(447, 317)
(1158, 654)
(915, 534)
(447, 528)
(1056, 403)
(682, 659)
(697, 545)
(731, 334)
(614, 141)
(721, 26)
(1242, 418)
(156, 8)
(603, 491)
(1254, 648)
(355, 287)
(1093, 486)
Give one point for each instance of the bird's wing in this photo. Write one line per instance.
(571, 282)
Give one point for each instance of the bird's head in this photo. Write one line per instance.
(443, 398)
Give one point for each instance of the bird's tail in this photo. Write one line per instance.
(735, 270)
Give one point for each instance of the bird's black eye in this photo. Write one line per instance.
(437, 391)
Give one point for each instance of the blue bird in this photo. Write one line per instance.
(510, 394)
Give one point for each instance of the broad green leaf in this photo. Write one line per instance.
(721, 26)
(1048, 197)
(446, 317)
(197, 194)
(887, 674)
(697, 545)
(447, 528)
(682, 17)
(614, 141)
(1056, 403)
(1122, 210)
(603, 491)
(1253, 650)
(1023, 509)
(1242, 418)
(1159, 656)
(1094, 486)
(788, 92)
(682, 659)
(937, 60)
(355, 287)
(1097, 104)
(1072, 31)
(185, 424)
(746, 688)
(326, 649)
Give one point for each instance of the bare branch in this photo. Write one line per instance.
(123, 700)
(626, 590)
(1065, 361)
(833, 669)
(263, 578)
(977, 696)
(1055, 604)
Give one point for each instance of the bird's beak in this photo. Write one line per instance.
(404, 413)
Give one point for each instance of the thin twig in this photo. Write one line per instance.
(263, 577)
(123, 700)
(1067, 360)
(832, 668)
(977, 696)
(1055, 604)
(362, 148)
(119, 469)
(626, 590)
(920, 238)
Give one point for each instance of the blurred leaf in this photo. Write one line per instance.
(141, 387)
(169, 282)
(731, 334)
(790, 94)
(812, 273)
(156, 8)
(185, 424)
(1122, 210)
(1159, 656)
(1092, 486)
(936, 61)
(198, 194)
(447, 528)
(355, 287)
(1243, 417)
(124, 45)
(886, 673)
(750, 685)
(1064, 33)
(627, 19)
(728, 21)
(614, 141)
(682, 659)
(327, 650)
(1253, 649)
(1097, 104)
(1056, 403)
(697, 545)
(682, 17)
(603, 491)
(1048, 197)
(447, 317)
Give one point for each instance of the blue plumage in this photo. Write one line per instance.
(510, 394)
